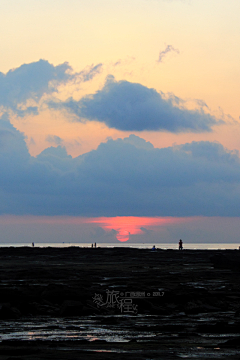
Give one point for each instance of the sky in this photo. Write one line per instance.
(119, 121)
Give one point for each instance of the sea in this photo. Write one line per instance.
(162, 246)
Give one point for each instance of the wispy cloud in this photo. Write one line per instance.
(90, 72)
(53, 139)
(163, 53)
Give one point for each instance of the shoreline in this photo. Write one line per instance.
(170, 246)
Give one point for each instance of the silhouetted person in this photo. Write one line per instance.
(92, 245)
(154, 248)
(32, 244)
(180, 244)
(95, 245)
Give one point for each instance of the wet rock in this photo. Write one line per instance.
(27, 308)
(186, 335)
(82, 341)
(8, 312)
(45, 309)
(218, 328)
(17, 349)
(221, 261)
(109, 321)
(231, 343)
(11, 294)
(237, 313)
(199, 307)
(98, 341)
(59, 293)
(147, 306)
(71, 308)
(73, 327)
(236, 327)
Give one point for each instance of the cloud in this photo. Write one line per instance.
(32, 81)
(89, 73)
(53, 139)
(125, 177)
(12, 145)
(30, 110)
(146, 231)
(58, 158)
(102, 235)
(31, 141)
(133, 107)
(163, 53)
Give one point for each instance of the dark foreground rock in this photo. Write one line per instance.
(118, 303)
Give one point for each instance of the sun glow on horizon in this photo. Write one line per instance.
(75, 229)
(131, 225)
(121, 226)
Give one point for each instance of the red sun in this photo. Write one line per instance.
(123, 235)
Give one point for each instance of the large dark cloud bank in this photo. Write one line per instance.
(122, 177)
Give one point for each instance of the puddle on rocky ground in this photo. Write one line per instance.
(216, 353)
(106, 333)
(70, 329)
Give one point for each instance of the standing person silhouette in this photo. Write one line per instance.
(180, 244)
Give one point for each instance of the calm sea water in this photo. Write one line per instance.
(129, 245)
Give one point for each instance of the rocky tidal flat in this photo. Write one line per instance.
(124, 303)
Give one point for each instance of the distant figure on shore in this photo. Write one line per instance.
(95, 245)
(180, 245)
(154, 248)
(92, 245)
(32, 244)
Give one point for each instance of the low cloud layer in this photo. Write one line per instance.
(32, 81)
(133, 107)
(126, 177)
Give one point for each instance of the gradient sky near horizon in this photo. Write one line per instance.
(120, 120)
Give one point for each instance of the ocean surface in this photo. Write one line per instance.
(200, 246)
